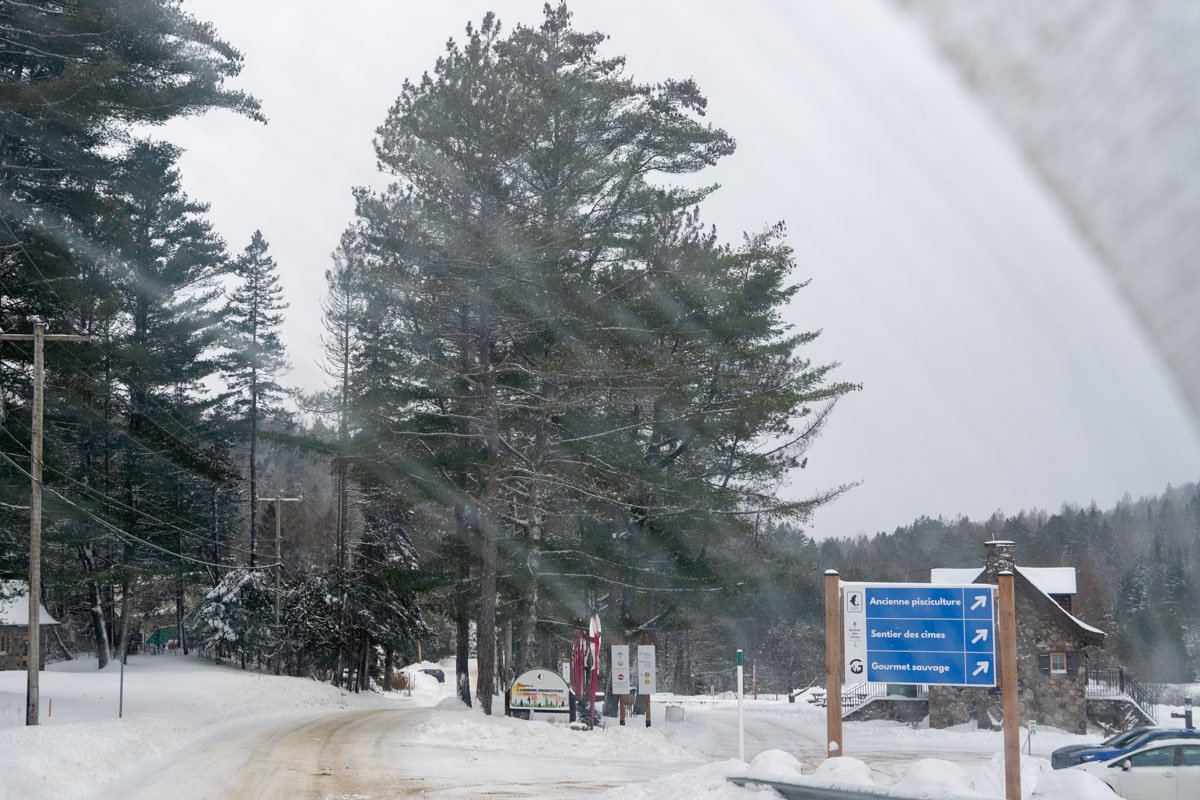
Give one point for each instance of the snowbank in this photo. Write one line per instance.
(171, 703)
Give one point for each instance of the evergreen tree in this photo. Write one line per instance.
(160, 352)
(557, 346)
(255, 356)
(75, 78)
(237, 616)
(343, 310)
(381, 602)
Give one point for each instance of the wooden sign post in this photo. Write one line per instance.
(1009, 699)
(833, 664)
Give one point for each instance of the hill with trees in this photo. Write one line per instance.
(1137, 567)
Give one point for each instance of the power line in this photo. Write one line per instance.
(121, 533)
(203, 536)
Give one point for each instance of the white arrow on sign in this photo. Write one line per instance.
(981, 635)
(980, 666)
(980, 601)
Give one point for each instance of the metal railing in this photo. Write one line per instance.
(1115, 683)
(858, 695)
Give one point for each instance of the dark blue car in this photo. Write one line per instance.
(1114, 746)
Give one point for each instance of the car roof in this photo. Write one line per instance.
(1180, 733)
(1144, 736)
(1116, 754)
(1148, 734)
(1192, 740)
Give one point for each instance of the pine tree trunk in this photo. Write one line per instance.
(487, 521)
(180, 634)
(485, 633)
(462, 674)
(99, 631)
(504, 668)
(253, 473)
(526, 647)
(462, 648)
(339, 653)
(123, 642)
(214, 569)
(180, 638)
(360, 671)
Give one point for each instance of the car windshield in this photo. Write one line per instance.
(1126, 737)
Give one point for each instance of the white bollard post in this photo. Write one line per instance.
(741, 719)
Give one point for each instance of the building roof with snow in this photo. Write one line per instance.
(1056, 585)
(14, 605)
(1051, 580)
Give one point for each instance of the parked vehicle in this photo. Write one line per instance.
(1162, 769)
(1114, 746)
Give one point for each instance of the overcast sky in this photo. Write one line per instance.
(1000, 370)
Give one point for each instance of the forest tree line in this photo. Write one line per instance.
(553, 391)
(1137, 569)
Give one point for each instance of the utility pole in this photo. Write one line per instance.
(34, 661)
(279, 541)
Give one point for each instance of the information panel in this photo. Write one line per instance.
(920, 633)
(540, 690)
(622, 676)
(647, 670)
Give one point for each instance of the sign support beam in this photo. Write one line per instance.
(1009, 700)
(833, 664)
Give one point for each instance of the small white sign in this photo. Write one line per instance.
(622, 676)
(647, 671)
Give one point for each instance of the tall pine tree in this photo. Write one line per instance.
(255, 357)
(75, 79)
(580, 357)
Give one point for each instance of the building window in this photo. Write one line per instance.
(3, 644)
(1058, 663)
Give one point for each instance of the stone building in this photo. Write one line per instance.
(1053, 648)
(14, 626)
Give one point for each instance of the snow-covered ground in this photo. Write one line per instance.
(176, 708)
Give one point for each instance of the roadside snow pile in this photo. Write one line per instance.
(709, 782)
(774, 765)
(165, 703)
(454, 725)
(1039, 780)
(936, 774)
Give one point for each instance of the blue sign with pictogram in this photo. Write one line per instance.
(920, 633)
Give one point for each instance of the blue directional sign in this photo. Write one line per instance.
(920, 633)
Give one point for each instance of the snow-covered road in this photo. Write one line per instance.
(337, 754)
(377, 753)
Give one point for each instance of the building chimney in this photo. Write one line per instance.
(1001, 557)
